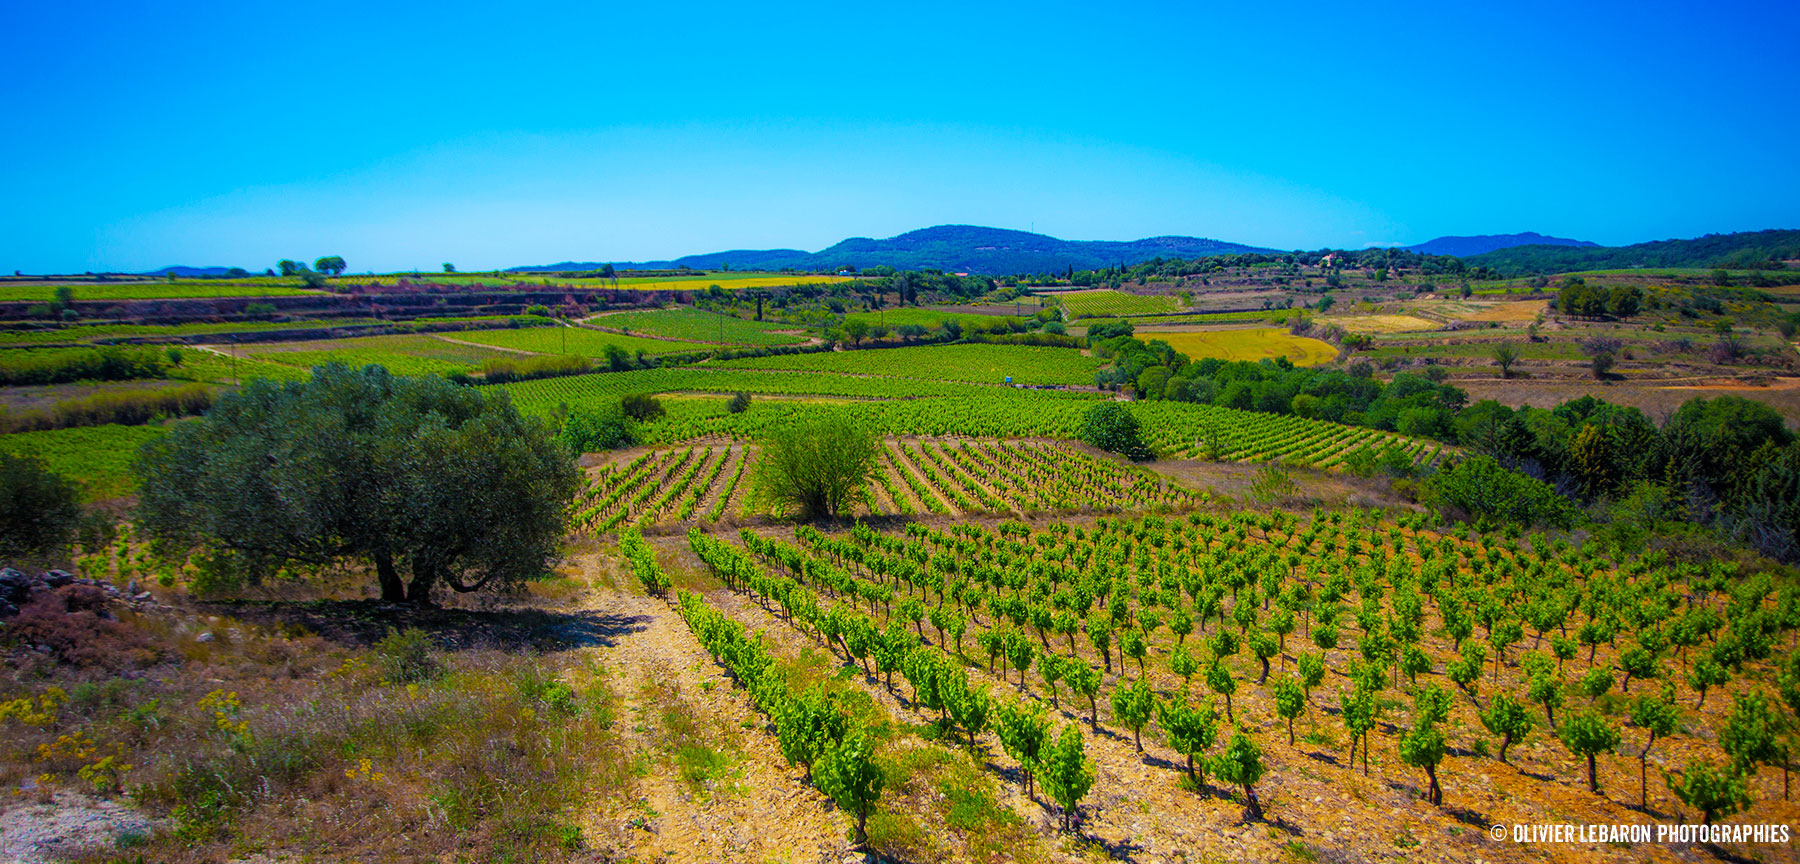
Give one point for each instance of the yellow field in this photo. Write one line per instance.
(1254, 343)
(700, 283)
(1384, 323)
(1511, 312)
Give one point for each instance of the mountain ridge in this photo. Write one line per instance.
(1463, 246)
(954, 248)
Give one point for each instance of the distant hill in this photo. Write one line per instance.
(953, 248)
(1463, 247)
(188, 272)
(1741, 250)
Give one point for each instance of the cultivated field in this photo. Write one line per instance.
(1252, 344)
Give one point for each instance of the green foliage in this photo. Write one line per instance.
(816, 466)
(447, 481)
(1111, 426)
(592, 430)
(1067, 773)
(1024, 728)
(740, 402)
(1588, 734)
(1479, 487)
(1133, 705)
(847, 773)
(40, 511)
(405, 657)
(1423, 747)
(1715, 792)
(641, 406)
(1241, 763)
(1507, 717)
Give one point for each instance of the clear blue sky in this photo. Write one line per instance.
(498, 134)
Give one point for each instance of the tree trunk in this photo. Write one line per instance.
(1437, 792)
(1593, 777)
(1254, 806)
(392, 589)
(1505, 742)
(424, 576)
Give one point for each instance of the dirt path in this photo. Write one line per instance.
(756, 809)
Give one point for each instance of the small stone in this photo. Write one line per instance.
(204, 637)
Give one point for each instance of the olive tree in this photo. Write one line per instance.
(450, 483)
(39, 509)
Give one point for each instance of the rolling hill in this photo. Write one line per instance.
(954, 248)
(1463, 247)
(1741, 250)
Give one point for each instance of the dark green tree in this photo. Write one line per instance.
(449, 482)
(40, 511)
(1111, 426)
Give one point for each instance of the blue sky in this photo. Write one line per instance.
(494, 135)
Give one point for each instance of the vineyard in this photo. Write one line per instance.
(1107, 303)
(987, 364)
(577, 340)
(695, 325)
(402, 354)
(707, 483)
(1335, 654)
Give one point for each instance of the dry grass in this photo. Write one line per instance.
(1253, 343)
(1514, 312)
(239, 732)
(1384, 323)
(1658, 400)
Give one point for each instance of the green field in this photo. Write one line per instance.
(988, 364)
(696, 325)
(541, 396)
(930, 319)
(576, 340)
(401, 354)
(1248, 344)
(97, 457)
(188, 289)
(1105, 302)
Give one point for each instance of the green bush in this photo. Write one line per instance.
(1111, 426)
(39, 510)
(405, 656)
(1478, 487)
(591, 430)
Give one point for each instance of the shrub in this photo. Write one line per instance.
(1479, 487)
(591, 430)
(499, 370)
(642, 406)
(1112, 427)
(39, 509)
(816, 465)
(405, 656)
(739, 403)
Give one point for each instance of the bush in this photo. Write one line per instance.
(739, 403)
(61, 366)
(405, 656)
(39, 509)
(816, 466)
(594, 430)
(1479, 487)
(499, 370)
(1111, 426)
(642, 406)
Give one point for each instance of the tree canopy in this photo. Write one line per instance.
(449, 483)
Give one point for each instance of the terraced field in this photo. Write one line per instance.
(710, 482)
(989, 364)
(1105, 302)
(1252, 344)
(695, 325)
(577, 340)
